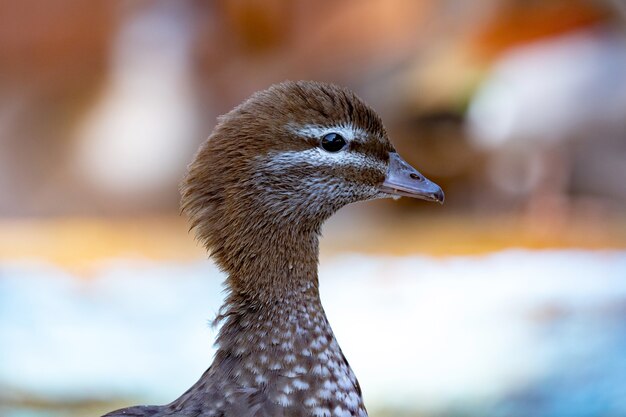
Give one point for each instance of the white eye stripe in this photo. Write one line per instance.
(348, 131)
(320, 158)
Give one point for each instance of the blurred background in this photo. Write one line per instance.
(508, 301)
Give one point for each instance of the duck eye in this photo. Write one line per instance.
(333, 142)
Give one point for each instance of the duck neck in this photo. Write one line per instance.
(274, 266)
(275, 288)
(275, 335)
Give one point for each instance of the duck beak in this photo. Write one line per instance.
(404, 180)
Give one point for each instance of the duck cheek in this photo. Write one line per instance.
(356, 184)
(371, 193)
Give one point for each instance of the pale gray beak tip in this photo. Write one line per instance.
(404, 180)
(439, 196)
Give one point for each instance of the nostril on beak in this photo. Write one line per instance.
(415, 177)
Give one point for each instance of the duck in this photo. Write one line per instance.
(257, 193)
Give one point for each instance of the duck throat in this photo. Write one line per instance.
(276, 341)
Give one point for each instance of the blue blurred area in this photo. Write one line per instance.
(462, 335)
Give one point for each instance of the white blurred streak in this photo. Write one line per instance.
(140, 134)
(545, 96)
(552, 90)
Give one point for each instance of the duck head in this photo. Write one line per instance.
(288, 158)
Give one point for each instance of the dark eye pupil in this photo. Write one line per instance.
(333, 142)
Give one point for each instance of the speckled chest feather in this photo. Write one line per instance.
(282, 360)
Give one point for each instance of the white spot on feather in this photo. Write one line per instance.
(283, 400)
(324, 394)
(340, 412)
(330, 385)
(251, 366)
(275, 366)
(316, 344)
(300, 385)
(340, 395)
(321, 412)
(353, 400)
(344, 382)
